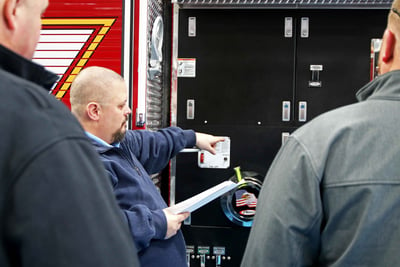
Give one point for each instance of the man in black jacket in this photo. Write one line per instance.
(56, 203)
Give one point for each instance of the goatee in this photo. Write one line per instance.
(118, 136)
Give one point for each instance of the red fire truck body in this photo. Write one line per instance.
(76, 34)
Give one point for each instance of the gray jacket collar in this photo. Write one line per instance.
(386, 86)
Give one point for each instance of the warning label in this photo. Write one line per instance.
(186, 67)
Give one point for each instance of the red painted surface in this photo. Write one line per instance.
(108, 51)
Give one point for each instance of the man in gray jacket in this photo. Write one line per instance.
(332, 195)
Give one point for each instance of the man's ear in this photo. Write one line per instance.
(9, 13)
(388, 46)
(93, 110)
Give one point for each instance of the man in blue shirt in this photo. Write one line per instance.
(99, 101)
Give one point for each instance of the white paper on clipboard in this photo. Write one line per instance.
(201, 199)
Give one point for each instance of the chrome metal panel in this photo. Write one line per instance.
(174, 95)
(284, 3)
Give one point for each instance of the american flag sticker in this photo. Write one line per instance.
(244, 198)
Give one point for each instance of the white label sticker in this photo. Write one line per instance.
(219, 161)
(186, 67)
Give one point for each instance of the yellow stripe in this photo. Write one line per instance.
(65, 86)
(105, 22)
(70, 78)
(98, 39)
(81, 63)
(60, 94)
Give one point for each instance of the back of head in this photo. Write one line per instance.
(389, 55)
(20, 25)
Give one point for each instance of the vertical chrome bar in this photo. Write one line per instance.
(174, 92)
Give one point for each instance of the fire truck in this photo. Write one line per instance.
(250, 70)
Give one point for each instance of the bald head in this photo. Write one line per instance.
(99, 99)
(93, 84)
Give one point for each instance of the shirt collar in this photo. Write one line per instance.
(101, 141)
